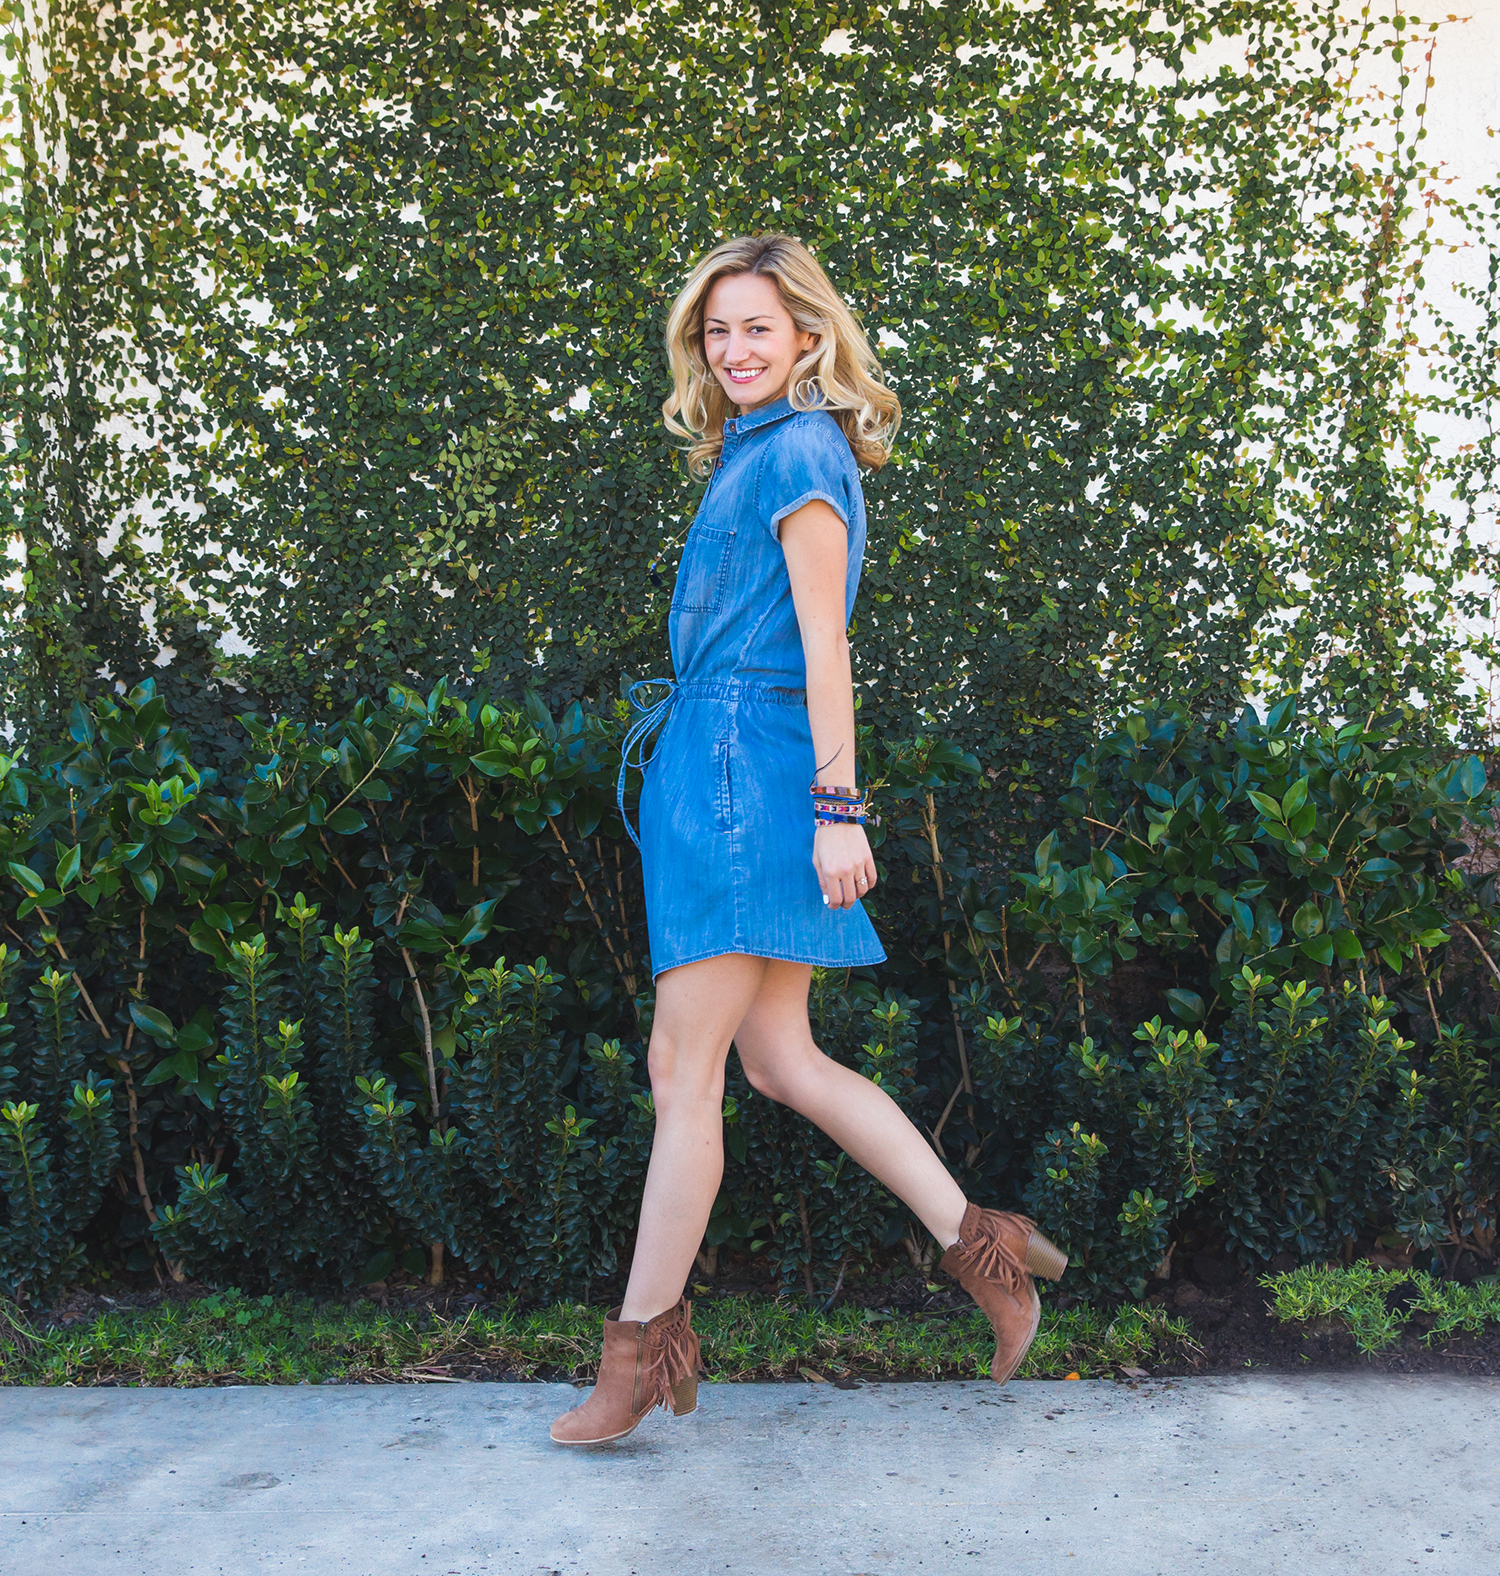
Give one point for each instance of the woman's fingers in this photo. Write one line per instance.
(844, 887)
(834, 886)
(845, 875)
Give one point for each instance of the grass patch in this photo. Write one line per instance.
(1359, 1298)
(229, 1338)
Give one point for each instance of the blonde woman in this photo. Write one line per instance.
(752, 826)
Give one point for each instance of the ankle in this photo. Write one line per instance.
(949, 1228)
(642, 1312)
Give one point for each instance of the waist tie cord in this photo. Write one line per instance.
(639, 748)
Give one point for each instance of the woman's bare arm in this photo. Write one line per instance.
(816, 544)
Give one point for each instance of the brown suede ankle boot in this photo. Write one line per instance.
(644, 1365)
(994, 1260)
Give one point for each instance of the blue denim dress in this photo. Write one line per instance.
(726, 822)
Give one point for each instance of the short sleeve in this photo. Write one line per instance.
(807, 460)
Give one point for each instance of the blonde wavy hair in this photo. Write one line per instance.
(838, 374)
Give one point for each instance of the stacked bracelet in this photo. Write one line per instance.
(838, 806)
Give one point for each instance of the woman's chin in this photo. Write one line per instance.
(750, 395)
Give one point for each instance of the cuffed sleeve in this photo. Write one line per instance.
(810, 459)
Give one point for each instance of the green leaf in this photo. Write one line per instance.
(349, 764)
(1307, 921)
(293, 824)
(195, 1037)
(1083, 947)
(1319, 949)
(1293, 799)
(346, 821)
(475, 925)
(1346, 945)
(1303, 821)
(1379, 869)
(420, 936)
(1105, 865)
(1187, 1006)
(183, 1066)
(1469, 779)
(157, 1024)
(492, 763)
(147, 882)
(203, 938)
(28, 878)
(68, 866)
(1265, 804)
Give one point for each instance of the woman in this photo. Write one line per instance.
(750, 879)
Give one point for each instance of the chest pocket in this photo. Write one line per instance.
(704, 572)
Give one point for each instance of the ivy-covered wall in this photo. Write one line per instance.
(338, 326)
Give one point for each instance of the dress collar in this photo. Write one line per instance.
(759, 417)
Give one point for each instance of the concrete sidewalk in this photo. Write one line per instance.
(1319, 1475)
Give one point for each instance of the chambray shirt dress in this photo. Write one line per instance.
(726, 821)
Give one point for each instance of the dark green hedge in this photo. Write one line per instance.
(263, 1020)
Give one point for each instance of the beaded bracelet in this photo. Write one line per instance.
(839, 807)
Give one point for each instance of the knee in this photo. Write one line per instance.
(783, 1078)
(682, 1076)
(764, 1081)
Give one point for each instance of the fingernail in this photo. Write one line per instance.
(825, 900)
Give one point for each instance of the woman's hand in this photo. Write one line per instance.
(845, 865)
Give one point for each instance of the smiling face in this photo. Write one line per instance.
(750, 342)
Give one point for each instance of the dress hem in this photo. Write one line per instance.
(774, 957)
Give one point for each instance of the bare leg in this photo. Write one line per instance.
(697, 1008)
(781, 1061)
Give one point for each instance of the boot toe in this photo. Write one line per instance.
(1015, 1330)
(576, 1428)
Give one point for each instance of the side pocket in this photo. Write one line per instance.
(726, 786)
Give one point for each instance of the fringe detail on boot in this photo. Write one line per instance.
(989, 1256)
(672, 1354)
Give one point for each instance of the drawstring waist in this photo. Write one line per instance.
(644, 734)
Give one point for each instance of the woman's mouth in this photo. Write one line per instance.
(743, 375)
